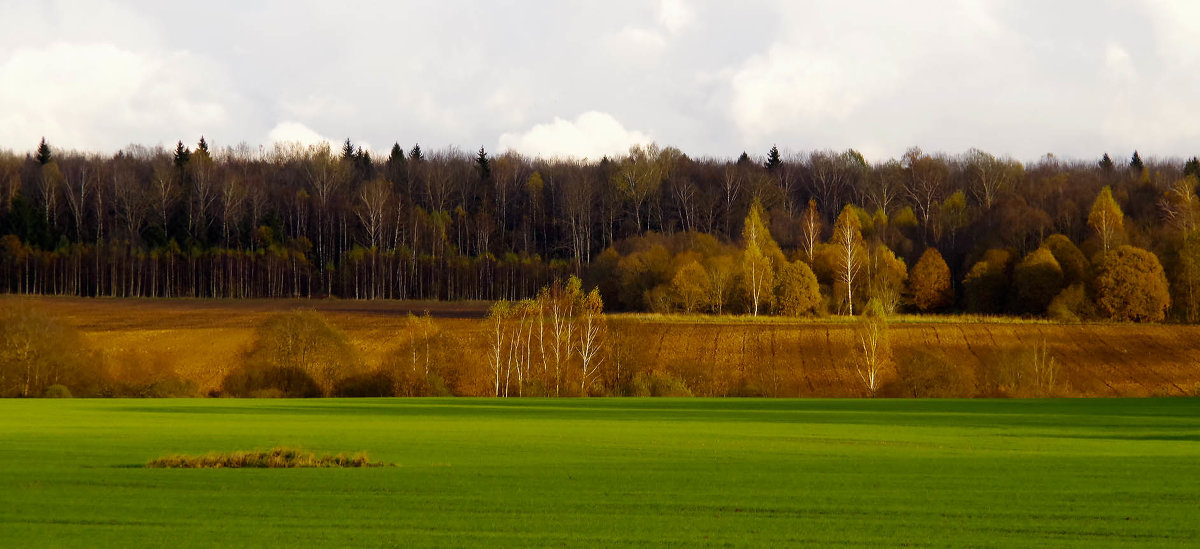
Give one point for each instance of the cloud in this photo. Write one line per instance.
(592, 135)
(675, 16)
(88, 95)
(787, 86)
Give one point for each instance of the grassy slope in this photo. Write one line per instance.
(608, 472)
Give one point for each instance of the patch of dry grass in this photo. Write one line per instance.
(280, 457)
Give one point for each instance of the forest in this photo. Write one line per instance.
(806, 233)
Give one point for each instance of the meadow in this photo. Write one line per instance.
(607, 472)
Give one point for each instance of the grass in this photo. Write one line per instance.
(279, 457)
(607, 472)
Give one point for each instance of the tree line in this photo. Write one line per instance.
(804, 233)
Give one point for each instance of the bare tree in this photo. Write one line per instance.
(873, 343)
(847, 234)
(810, 230)
(373, 200)
(591, 334)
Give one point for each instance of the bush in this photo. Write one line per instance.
(370, 384)
(986, 284)
(930, 282)
(38, 351)
(1036, 280)
(57, 391)
(1072, 305)
(257, 381)
(799, 293)
(657, 385)
(1020, 372)
(1070, 259)
(298, 354)
(927, 374)
(275, 458)
(1130, 285)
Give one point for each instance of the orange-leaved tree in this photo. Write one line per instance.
(930, 282)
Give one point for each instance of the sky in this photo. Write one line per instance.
(563, 78)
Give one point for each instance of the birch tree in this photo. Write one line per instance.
(847, 235)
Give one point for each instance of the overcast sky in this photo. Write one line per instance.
(554, 77)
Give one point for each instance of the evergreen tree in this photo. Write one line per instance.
(1135, 163)
(484, 165)
(1192, 167)
(347, 150)
(202, 146)
(415, 155)
(43, 153)
(744, 159)
(773, 160)
(182, 155)
(1106, 163)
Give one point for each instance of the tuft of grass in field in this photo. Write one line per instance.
(608, 473)
(280, 457)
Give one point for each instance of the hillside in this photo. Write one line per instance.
(200, 340)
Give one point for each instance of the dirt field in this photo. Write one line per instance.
(202, 339)
(810, 358)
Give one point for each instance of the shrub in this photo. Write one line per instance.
(658, 385)
(1072, 305)
(930, 282)
(1022, 372)
(259, 381)
(57, 391)
(799, 293)
(927, 374)
(376, 383)
(1130, 285)
(986, 284)
(298, 353)
(275, 458)
(1036, 280)
(1072, 261)
(38, 351)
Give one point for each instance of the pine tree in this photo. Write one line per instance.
(43, 153)
(397, 156)
(202, 146)
(484, 165)
(744, 159)
(415, 155)
(773, 159)
(347, 150)
(1135, 163)
(1106, 163)
(1192, 167)
(182, 155)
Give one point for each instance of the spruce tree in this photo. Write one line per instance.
(182, 155)
(773, 159)
(202, 146)
(415, 155)
(743, 159)
(1106, 163)
(43, 153)
(1192, 167)
(347, 150)
(484, 165)
(1136, 162)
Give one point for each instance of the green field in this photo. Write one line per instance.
(607, 472)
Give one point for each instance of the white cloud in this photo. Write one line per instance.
(592, 135)
(636, 45)
(787, 86)
(88, 95)
(295, 132)
(675, 16)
